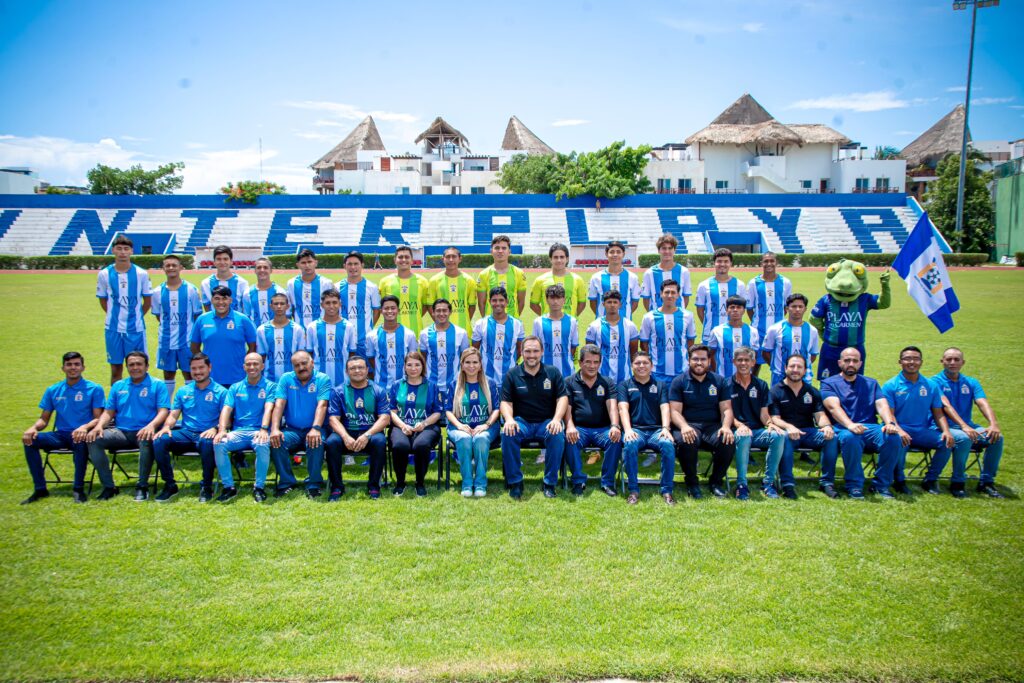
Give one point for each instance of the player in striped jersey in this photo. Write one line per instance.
(360, 300)
(712, 293)
(616, 277)
(616, 336)
(257, 299)
(443, 343)
(559, 333)
(279, 338)
(330, 340)
(667, 333)
(223, 261)
(731, 335)
(305, 289)
(391, 342)
(766, 296)
(124, 293)
(501, 274)
(574, 286)
(789, 336)
(411, 289)
(457, 287)
(667, 269)
(499, 337)
(176, 306)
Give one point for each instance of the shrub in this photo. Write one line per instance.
(147, 261)
(332, 261)
(1020, 259)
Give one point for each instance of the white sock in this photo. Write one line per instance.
(169, 383)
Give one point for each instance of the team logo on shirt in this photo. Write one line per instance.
(473, 395)
(405, 289)
(923, 391)
(547, 383)
(359, 402)
(209, 398)
(452, 288)
(963, 390)
(713, 391)
(807, 399)
(262, 394)
(144, 393)
(78, 396)
(654, 388)
(600, 391)
(411, 397)
(312, 388)
(231, 324)
(391, 343)
(753, 392)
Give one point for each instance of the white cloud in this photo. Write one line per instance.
(753, 27)
(1017, 106)
(207, 172)
(195, 145)
(351, 112)
(698, 27)
(569, 122)
(959, 88)
(62, 161)
(982, 101)
(321, 137)
(878, 100)
(131, 138)
(331, 124)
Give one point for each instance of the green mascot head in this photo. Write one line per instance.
(846, 280)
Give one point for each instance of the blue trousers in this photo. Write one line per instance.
(813, 438)
(962, 450)
(51, 441)
(511, 453)
(594, 437)
(473, 453)
(853, 446)
(242, 440)
(295, 440)
(924, 438)
(631, 450)
(772, 442)
(186, 441)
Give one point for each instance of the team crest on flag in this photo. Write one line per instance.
(930, 278)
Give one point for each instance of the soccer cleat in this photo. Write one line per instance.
(259, 495)
(829, 490)
(989, 489)
(769, 491)
(855, 494)
(742, 493)
(421, 490)
(108, 493)
(335, 495)
(205, 494)
(79, 496)
(930, 487)
(169, 491)
(398, 490)
(38, 494)
(227, 495)
(141, 495)
(789, 492)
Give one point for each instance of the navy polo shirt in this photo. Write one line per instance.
(533, 397)
(700, 398)
(747, 403)
(857, 397)
(644, 402)
(796, 409)
(588, 403)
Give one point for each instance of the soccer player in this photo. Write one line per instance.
(766, 295)
(730, 335)
(223, 261)
(797, 408)
(442, 345)
(331, 339)
(457, 288)
(140, 405)
(300, 405)
(358, 417)
(124, 293)
(415, 413)
(666, 269)
(472, 414)
(916, 404)
(391, 341)
(700, 406)
(592, 421)
(666, 333)
(225, 336)
(501, 274)
(856, 402)
(789, 336)
(304, 290)
(574, 286)
(533, 404)
(713, 292)
(78, 403)
(617, 337)
(360, 301)
(616, 277)
(256, 304)
(499, 336)
(244, 425)
(644, 415)
(197, 405)
(279, 338)
(962, 393)
(558, 331)
(176, 307)
(411, 289)
(754, 426)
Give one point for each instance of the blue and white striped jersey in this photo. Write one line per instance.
(726, 339)
(650, 288)
(276, 345)
(711, 296)
(625, 283)
(239, 288)
(304, 298)
(443, 350)
(124, 293)
(767, 300)
(358, 302)
(560, 338)
(257, 303)
(331, 344)
(614, 341)
(176, 310)
(498, 345)
(668, 336)
(782, 340)
(390, 349)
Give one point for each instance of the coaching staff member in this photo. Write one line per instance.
(592, 420)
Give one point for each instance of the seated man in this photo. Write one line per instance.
(244, 425)
(78, 404)
(961, 393)
(139, 404)
(701, 411)
(592, 420)
(358, 416)
(301, 407)
(533, 403)
(197, 405)
(754, 427)
(645, 422)
(797, 408)
(856, 402)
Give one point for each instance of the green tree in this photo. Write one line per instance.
(249, 191)
(979, 215)
(135, 180)
(615, 171)
(886, 152)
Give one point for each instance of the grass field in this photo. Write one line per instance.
(448, 589)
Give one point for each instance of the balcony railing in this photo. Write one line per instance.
(325, 182)
(876, 190)
(675, 190)
(725, 191)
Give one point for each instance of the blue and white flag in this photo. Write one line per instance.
(922, 267)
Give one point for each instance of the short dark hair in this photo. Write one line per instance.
(223, 249)
(201, 357)
(140, 354)
(403, 247)
(615, 243)
(331, 293)
(501, 238)
(497, 290)
(642, 354)
(557, 246)
(305, 253)
(735, 300)
(796, 355)
(356, 255)
(535, 338)
(590, 350)
(263, 258)
(71, 355)
(612, 294)
(723, 253)
(795, 296)
(911, 348)
(171, 256)
(554, 291)
(441, 300)
(277, 294)
(354, 357)
(221, 290)
(122, 239)
(700, 347)
(390, 298)
(669, 283)
(458, 252)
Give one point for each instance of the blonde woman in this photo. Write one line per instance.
(472, 413)
(415, 414)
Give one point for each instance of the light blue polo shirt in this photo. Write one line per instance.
(137, 404)
(912, 402)
(73, 403)
(225, 341)
(200, 408)
(961, 394)
(247, 402)
(302, 398)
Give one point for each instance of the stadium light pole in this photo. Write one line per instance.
(962, 5)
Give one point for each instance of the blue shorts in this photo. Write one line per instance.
(173, 359)
(120, 344)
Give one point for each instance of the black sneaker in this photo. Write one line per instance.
(374, 494)
(694, 492)
(578, 489)
(283, 491)
(170, 491)
(259, 495)
(78, 495)
(335, 495)
(108, 492)
(549, 491)
(516, 491)
(882, 493)
(227, 495)
(829, 490)
(141, 495)
(855, 494)
(718, 491)
(958, 491)
(205, 494)
(312, 493)
(38, 494)
(989, 489)
(901, 488)
(931, 487)
(609, 491)
(789, 492)
(398, 490)
(421, 490)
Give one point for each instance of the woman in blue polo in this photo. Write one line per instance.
(472, 413)
(414, 417)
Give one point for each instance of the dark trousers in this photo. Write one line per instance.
(115, 439)
(376, 448)
(183, 440)
(49, 441)
(708, 437)
(419, 445)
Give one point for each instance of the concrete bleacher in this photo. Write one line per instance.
(55, 225)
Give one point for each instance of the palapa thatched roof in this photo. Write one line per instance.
(441, 131)
(520, 138)
(745, 121)
(818, 134)
(945, 137)
(746, 111)
(363, 137)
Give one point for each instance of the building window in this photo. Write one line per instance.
(401, 190)
(881, 183)
(805, 184)
(721, 184)
(476, 190)
(863, 184)
(664, 184)
(685, 183)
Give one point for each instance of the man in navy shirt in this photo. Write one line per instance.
(754, 426)
(301, 407)
(78, 404)
(701, 410)
(225, 335)
(646, 424)
(592, 421)
(358, 416)
(856, 402)
(245, 424)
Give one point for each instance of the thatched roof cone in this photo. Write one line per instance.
(818, 133)
(439, 130)
(945, 137)
(745, 111)
(365, 136)
(520, 138)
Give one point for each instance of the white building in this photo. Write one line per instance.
(18, 180)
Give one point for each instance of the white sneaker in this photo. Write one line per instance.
(467, 493)
(349, 460)
(649, 460)
(540, 458)
(480, 493)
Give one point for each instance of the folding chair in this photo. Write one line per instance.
(56, 478)
(450, 454)
(922, 464)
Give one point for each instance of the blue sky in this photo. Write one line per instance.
(120, 83)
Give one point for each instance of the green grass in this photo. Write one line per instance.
(449, 589)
